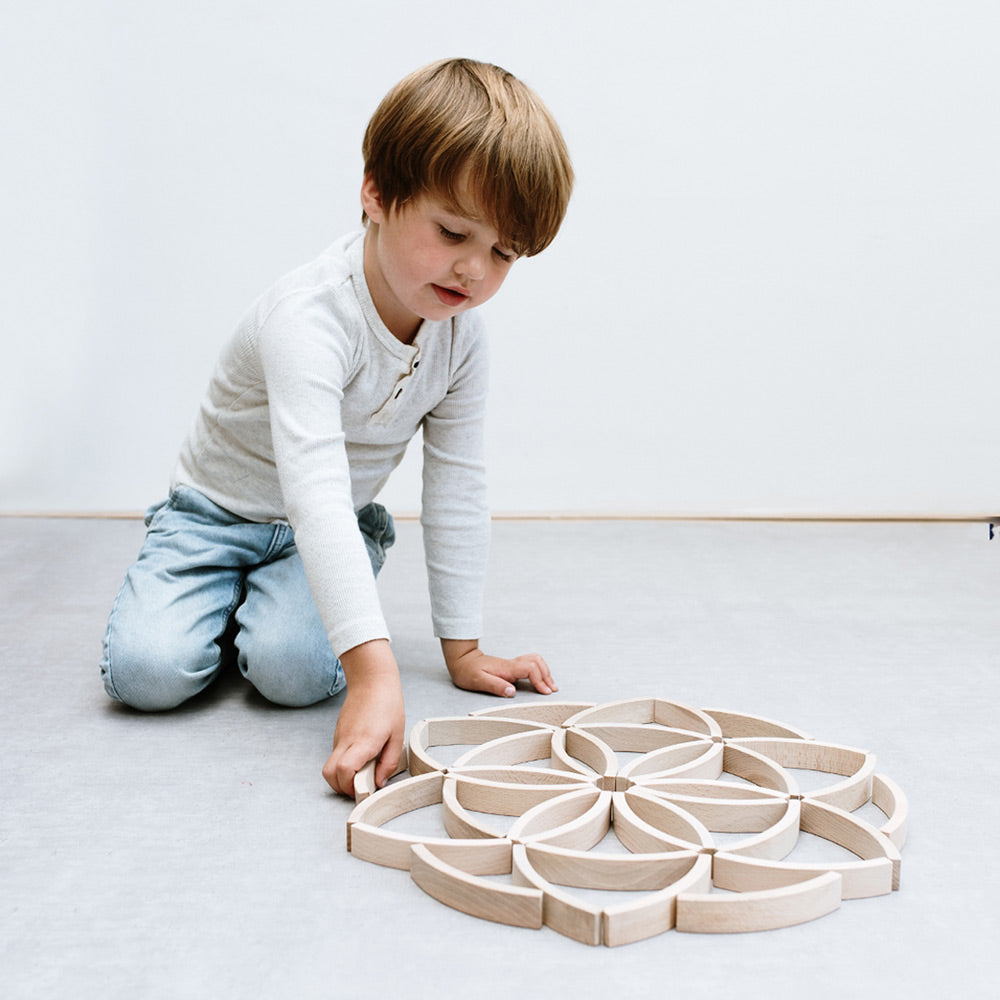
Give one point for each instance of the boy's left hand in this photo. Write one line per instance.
(474, 670)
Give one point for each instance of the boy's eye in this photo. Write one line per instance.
(449, 235)
(505, 257)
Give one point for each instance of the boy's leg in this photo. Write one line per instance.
(161, 645)
(283, 648)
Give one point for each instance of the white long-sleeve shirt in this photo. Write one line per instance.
(310, 409)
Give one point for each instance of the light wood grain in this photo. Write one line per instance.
(655, 913)
(737, 724)
(504, 904)
(889, 797)
(769, 909)
(857, 765)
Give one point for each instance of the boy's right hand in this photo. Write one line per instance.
(372, 719)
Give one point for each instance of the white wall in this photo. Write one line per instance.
(777, 289)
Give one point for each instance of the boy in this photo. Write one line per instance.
(271, 528)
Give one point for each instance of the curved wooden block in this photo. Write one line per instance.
(732, 815)
(504, 904)
(561, 911)
(653, 914)
(858, 765)
(889, 797)
(395, 800)
(860, 879)
(458, 730)
(708, 913)
(458, 821)
(547, 713)
(364, 780)
(618, 872)
(578, 820)
(670, 714)
(709, 789)
(641, 817)
(754, 767)
(511, 791)
(575, 750)
(776, 841)
(857, 836)
(736, 724)
(508, 751)
(697, 758)
(391, 849)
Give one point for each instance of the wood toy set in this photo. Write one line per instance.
(555, 767)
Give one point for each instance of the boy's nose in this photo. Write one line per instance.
(471, 266)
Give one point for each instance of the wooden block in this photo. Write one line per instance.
(697, 758)
(709, 913)
(629, 737)
(860, 879)
(548, 713)
(505, 904)
(777, 841)
(661, 822)
(518, 748)
(889, 797)
(732, 815)
(512, 791)
(857, 836)
(397, 799)
(578, 820)
(458, 821)
(640, 711)
(391, 849)
(858, 765)
(561, 911)
(458, 730)
(573, 747)
(364, 780)
(750, 765)
(620, 872)
(655, 913)
(736, 724)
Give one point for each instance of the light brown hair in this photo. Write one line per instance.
(460, 129)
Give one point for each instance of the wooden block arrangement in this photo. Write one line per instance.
(681, 818)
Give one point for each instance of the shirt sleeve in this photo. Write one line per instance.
(307, 359)
(454, 512)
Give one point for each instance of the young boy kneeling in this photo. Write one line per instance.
(271, 528)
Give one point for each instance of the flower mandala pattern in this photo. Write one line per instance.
(707, 800)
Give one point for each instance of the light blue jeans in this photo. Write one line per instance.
(203, 570)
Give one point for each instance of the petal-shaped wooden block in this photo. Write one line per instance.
(504, 904)
(548, 713)
(858, 765)
(736, 724)
(459, 730)
(889, 797)
(710, 913)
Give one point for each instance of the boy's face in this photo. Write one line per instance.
(423, 261)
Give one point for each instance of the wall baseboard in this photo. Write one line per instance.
(738, 516)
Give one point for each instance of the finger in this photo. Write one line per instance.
(351, 761)
(535, 670)
(389, 760)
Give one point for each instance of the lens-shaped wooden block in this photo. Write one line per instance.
(767, 910)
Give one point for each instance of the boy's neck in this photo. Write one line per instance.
(401, 323)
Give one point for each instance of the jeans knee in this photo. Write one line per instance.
(291, 677)
(153, 677)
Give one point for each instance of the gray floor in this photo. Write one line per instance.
(199, 854)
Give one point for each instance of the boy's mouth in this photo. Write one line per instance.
(450, 296)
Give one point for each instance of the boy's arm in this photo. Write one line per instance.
(372, 719)
(474, 670)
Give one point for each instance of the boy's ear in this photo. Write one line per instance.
(371, 200)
